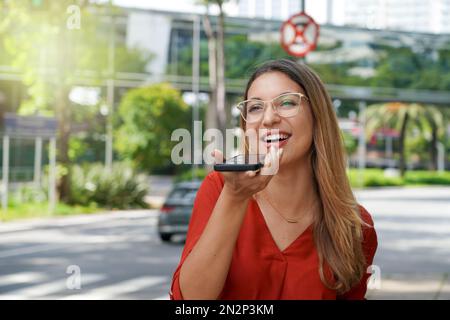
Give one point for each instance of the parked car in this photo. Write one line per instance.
(177, 209)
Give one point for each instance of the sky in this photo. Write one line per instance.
(315, 8)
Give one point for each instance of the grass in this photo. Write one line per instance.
(41, 210)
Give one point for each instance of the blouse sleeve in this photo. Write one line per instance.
(204, 204)
(370, 244)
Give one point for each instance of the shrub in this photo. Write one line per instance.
(119, 188)
(28, 194)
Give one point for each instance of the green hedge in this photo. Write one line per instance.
(427, 177)
(376, 178)
(371, 178)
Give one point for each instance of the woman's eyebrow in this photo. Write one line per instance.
(257, 98)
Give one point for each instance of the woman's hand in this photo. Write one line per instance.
(243, 185)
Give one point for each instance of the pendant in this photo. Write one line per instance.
(291, 221)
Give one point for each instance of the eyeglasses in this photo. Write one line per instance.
(285, 105)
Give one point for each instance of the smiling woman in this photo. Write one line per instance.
(298, 234)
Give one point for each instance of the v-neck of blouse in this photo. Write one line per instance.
(263, 221)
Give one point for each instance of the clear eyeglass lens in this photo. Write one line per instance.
(286, 106)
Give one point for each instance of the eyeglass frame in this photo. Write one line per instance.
(301, 95)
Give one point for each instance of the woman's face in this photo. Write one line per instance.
(298, 129)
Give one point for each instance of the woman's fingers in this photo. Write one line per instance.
(279, 154)
(218, 156)
(250, 174)
(268, 159)
(270, 163)
(250, 182)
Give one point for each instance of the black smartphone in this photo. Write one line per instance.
(241, 162)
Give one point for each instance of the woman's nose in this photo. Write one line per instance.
(270, 116)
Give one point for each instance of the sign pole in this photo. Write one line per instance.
(52, 175)
(5, 172)
(389, 150)
(329, 11)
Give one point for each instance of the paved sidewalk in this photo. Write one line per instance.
(412, 286)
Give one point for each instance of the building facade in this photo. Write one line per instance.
(431, 16)
(268, 9)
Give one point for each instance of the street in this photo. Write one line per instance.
(119, 255)
(413, 226)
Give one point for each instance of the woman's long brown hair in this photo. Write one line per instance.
(338, 229)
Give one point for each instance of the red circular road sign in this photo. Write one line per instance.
(299, 34)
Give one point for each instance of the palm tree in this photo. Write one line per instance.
(400, 116)
(430, 121)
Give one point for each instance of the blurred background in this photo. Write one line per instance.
(90, 92)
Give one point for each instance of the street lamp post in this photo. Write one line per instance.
(195, 83)
(441, 157)
(110, 94)
(5, 172)
(362, 142)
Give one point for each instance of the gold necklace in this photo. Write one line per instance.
(289, 220)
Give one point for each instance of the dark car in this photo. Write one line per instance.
(177, 209)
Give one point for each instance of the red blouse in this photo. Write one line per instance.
(259, 270)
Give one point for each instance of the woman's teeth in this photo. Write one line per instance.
(276, 137)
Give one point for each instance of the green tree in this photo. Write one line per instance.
(241, 52)
(149, 115)
(56, 45)
(36, 35)
(404, 67)
(399, 116)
